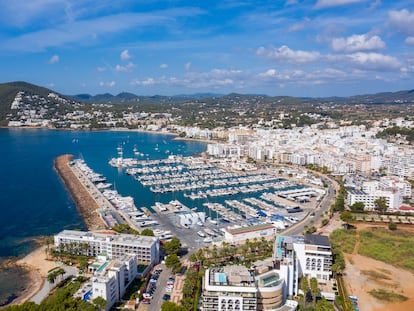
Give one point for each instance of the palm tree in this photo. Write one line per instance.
(51, 277)
(100, 303)
(61, 272)
(314, 289)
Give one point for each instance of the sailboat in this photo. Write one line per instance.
(136, 152)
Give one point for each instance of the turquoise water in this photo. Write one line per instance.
(34, 201)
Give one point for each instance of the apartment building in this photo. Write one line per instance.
(392, 198)
(146, 248)
(298, 256)
(236, 287)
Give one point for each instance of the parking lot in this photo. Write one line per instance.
(167, 287)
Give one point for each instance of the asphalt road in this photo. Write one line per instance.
(319, 211)
(157, 300)
(47, 286)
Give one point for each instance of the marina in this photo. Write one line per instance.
(207, 196)
(195, 196)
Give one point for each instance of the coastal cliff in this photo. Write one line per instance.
(84, 201)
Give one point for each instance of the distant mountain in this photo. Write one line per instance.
(198, 95)
(125, 97)
(383, 98)
(9, 90)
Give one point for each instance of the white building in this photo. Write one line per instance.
(391, 182)
(298, 256)
(241, 234)
(393, 199)
(233, 288)
(112, 277)
(146, 248)
(190, 219)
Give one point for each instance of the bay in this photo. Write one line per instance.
(33, 199)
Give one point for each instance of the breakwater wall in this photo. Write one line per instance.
(85, 202)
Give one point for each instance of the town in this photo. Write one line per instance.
(276, 191)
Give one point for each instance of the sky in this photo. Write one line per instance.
(314, 48)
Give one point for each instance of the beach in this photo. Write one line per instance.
(37, 266)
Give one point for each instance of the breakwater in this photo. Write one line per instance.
(85, 203)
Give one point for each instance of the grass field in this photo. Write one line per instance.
(388, 296)
(393, 247)
(344, 239)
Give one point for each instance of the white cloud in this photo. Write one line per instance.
(402, 20)
(285, 54)
(125, 55)
(101, 69)
(187, 66)
(268, 73)
(409, 40)
(90, 31)
(299, 26)
(163, 66)
(300, 77)
(356, 43)
(214, 79)
(375, 4)
(54, 59)
(374, 61)
(333, 3)
(107, 84)
(126, 68)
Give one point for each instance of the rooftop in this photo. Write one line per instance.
(250, 228)
(316, 239)
(115, 238)
(231, 276)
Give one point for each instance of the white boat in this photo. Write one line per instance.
(102, 185)
(201, 233)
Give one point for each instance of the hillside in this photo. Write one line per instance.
(8, 92)
(39, 104)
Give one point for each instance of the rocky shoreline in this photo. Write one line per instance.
(85, 203)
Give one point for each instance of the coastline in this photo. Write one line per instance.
(36, 263)
(36, 266)
(126, 130)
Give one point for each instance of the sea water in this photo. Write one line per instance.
(33, 199)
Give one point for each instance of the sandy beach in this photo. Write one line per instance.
(37, 266)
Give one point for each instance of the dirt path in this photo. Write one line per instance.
(357, 242)
(359, 279)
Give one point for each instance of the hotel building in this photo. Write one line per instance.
(298, 256)
(233, 288)
(92, 244)
(110, 279)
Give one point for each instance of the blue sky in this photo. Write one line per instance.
(167, 47)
